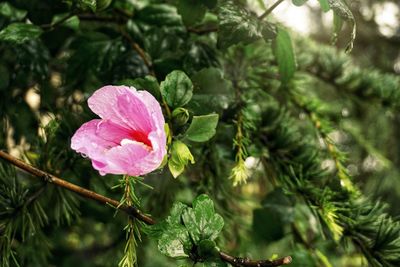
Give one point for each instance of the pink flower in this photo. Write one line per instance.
(129, 138)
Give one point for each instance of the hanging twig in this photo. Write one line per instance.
(131, 210)
(269, 10)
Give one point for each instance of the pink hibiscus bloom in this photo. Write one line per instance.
(129, 138)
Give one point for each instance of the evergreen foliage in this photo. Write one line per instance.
(270, 135)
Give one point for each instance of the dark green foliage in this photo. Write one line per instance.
(237, 25)
(190, 232)
(284, 53)
(177, 89)
(202, 128)
(312, 131)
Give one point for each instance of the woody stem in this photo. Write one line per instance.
(130, 210)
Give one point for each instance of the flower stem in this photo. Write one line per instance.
(132, 228)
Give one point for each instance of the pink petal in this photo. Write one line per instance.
(125, 106)
(154, 108)
(133, 159)
(95, 137)
(130, 139)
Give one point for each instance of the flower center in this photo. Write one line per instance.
(137, 137)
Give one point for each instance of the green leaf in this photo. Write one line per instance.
(176, 213)
(93, 5)
(87, 4)
(284, 54)
(324, 5)
(11, 12)
(201, 221)
(20, 32)
(213, 92)
(148, 83)
(342, 10)
(102, 4)
(180, 157)
(175, 242)
(177, 89)
(72, 22)
(211, 81)
(202, 128)
(299, 2)
(192, 11)
(207, 249)
(159, 15)
(238, 25)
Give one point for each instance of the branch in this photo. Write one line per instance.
(201, 31)
(236, 261)
(269, 10)
(131, 211)
(76, 189)
(139, 50)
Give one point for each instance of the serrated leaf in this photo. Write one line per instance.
(201, 221)
(20, 32)
(176, 213)
(177, 89)
(238, 25)
(342, 10)
(175, 242)
(180, 157)
(284, 54)
(202, 128)
(192, 11)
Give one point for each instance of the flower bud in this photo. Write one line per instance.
(180, 116)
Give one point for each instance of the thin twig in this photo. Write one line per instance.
(269, 10)
(139, 50)
(201, 31)
(132, 211)
(236, 261)
(51, 26)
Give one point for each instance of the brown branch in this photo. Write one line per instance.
(236, 261)
(149, 65)
(76, 189)
(269, 10)
(138, 50)
(51, 26)
(131, 210)
(201, 31)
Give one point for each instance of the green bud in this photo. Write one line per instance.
(180, 116)
(179, 158)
